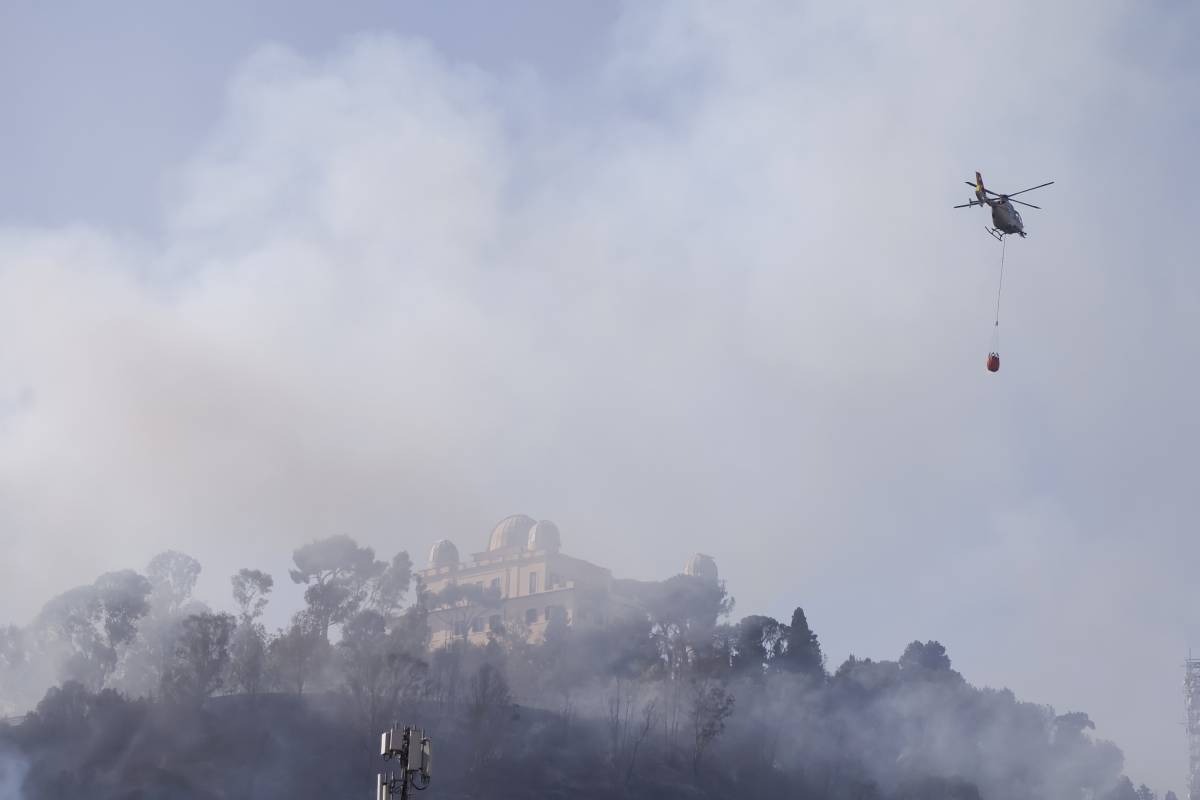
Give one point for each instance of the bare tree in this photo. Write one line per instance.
(711, 705)
(627, 732)
(649, 719)
(490, 701)
(376, 667)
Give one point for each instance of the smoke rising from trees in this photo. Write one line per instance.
(153, 693)
(391, 291)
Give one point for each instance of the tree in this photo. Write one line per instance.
(802, 651)
(1144, 792)
(711, 705)
(758, 641)
(250, 590)
(1073, 723)
(489, 701)
(388, 590)
(411, 629)
(248, 658)
(462, 604)
(92, 622)
(67, 709)
(201, 657)
(624, 648)
(683, 613)
(928, 786)
(294, 656)
(338, 573)
(377, 669)
(929, 656)
(560, 664)
(448, 669)
(627, 733)
(172, 577)
(1123, 790)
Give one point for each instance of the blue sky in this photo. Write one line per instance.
(681, 277)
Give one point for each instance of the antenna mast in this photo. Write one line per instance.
(411, 748)
(1191, 706)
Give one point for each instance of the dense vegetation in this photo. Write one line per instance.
(146, 693)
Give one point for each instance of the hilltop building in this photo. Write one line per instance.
(524, 577)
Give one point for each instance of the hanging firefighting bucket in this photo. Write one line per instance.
(993, 361)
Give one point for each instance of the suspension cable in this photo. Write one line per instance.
(999, 289)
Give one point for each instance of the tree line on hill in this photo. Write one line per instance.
(137, 689)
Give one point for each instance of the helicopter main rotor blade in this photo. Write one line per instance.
(968, 205)
(1030, 189)
(1022, 202)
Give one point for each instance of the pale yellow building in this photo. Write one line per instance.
(529, 581)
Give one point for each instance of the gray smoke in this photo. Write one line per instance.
(13, 769)
(650, 704)
(710, 296)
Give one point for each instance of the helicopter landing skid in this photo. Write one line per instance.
(999, 235)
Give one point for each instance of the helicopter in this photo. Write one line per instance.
(1005, 218)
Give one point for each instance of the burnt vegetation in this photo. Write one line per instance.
(129, 688)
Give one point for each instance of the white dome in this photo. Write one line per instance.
(544, 536)
(443, 554)
(701, 566)
(511, 532)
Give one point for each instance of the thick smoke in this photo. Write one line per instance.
(713, 297)
(13, 768)
(671, 698)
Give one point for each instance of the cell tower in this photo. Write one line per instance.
(1191, 699)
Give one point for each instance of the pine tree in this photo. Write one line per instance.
(803, 652)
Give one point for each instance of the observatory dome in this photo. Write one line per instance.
(443, 554)
(544, 536)
(511, 532)
(701, 566)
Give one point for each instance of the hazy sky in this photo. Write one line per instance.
(679, 276)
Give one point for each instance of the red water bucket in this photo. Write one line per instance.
(993, 362)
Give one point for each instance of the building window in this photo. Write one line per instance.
(552, 580)
(531, 616)
(556, 613)
(494, 623)
(533, 583)
(477, 625)
(460, 628)
(496, 584)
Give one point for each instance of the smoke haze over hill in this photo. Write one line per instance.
(690, 283)
(666, 698)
